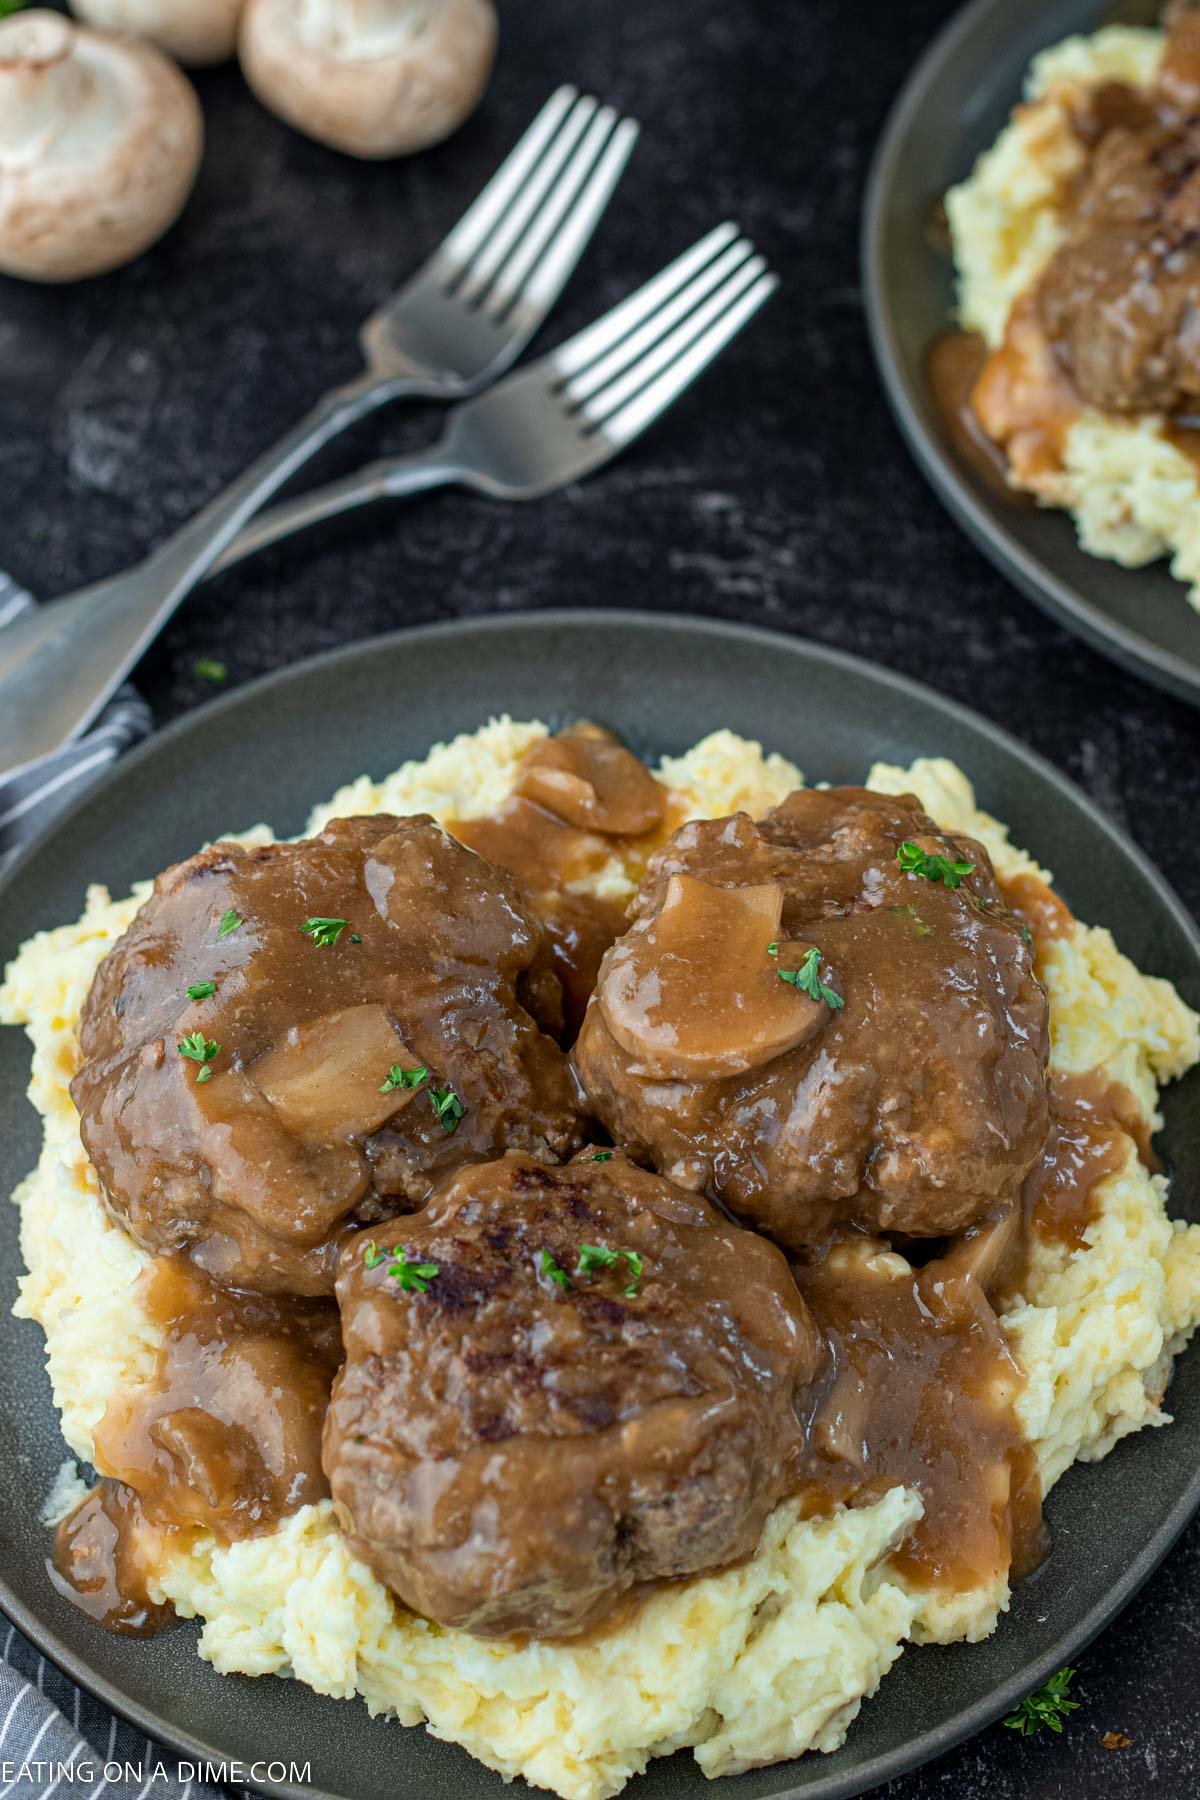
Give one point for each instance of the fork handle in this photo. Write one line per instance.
(60, 663)
(388, 479)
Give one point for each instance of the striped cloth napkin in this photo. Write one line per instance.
(54, 1738)
(57, 1740)
(30, 799)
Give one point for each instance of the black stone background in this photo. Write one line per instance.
(777, 492)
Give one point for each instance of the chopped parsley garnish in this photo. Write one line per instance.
(1046, 1707)
(207, 668)
(808, 979)
(915, 861)
(202, 990)
(594, 1257)
(448, 1107)
(547, 1266)
(201, 1050)
(601, 1156)
(1027, 935)
(403, 1078)
(326, 932)
(230, 923)
(414, 1277)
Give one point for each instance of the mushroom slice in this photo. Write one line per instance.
(590, 781)
(197, 32)
(328, 1080)
(371, 77)
(100, 140)
(694, 992)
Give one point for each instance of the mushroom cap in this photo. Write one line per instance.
(375, 78)
(100, 140)
(197, 32)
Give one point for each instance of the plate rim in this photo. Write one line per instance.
(935, 1741)
(1067, 605)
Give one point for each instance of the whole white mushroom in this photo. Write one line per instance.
(100, 141)
(372, 77)
(197, 32)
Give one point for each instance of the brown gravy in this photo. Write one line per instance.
(225, 1437)
(1038, 907)
(103, 1562)
(920, 1390)
(953, 367)
(582, 801)
(1092, 1121)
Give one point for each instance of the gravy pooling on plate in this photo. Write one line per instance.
(552, 1363)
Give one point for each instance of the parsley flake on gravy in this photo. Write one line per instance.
(808, 979)
(547, 1266)
(915, 861)
(594, 1257)
(403, 1078)
(201, 1050)
(601, 1156)
(414, 1277)
(448, 1107)
(326, 932)
(202, 990)
(229, 924)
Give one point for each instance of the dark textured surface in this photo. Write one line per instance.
(778, 492)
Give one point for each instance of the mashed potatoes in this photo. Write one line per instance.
(1134, 495)
(750, 1666)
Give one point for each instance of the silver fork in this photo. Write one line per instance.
(571, 411)
(460, 321)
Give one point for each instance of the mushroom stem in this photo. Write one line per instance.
(40, 82)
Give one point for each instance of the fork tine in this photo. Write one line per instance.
(663, 353)
(516, 216)
(480, 218)
(621, 427)
(635, 345)
(515, 272)
(549, 276)
(592, 342)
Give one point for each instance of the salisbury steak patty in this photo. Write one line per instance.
(561, 1382)
(237, 1093)
(1120, 298)
(800, 1027)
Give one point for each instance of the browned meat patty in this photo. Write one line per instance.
(590, 1381)
(798, 1027)
(249, 1126)
(1120, 300)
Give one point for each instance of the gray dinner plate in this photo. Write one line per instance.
(953, 106)
(272, 749)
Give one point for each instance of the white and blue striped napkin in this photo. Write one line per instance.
(36, 794)
(57, 1740)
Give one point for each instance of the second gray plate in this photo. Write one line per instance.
(952, 107)
(271, 750)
